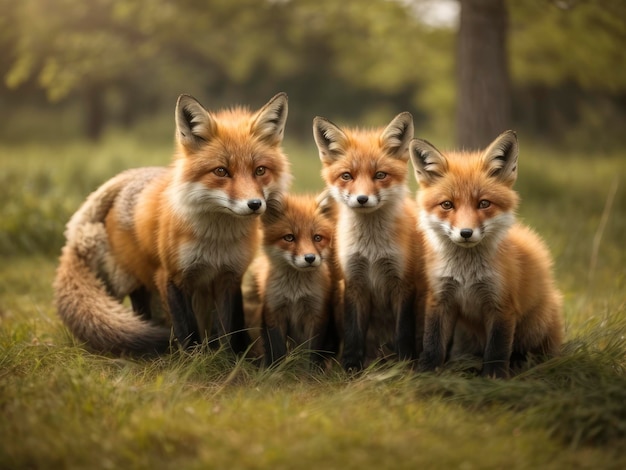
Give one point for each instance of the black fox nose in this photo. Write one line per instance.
(466, 232)
(362, 199)
(309, 258)
(255, 204)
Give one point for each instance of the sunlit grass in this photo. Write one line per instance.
(65, 407)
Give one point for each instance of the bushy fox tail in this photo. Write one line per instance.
(82, 284)
(98, 319)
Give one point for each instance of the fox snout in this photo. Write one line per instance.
(255, 204)
(307, 261)
(246, 207)
(362, 201)
(466, 233)
(466, 236)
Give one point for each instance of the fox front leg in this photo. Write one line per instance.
(274, 341)
(356, 320)
(230, 315)
(316, 335)
(438, 330)
(183, 318)
(499, 347)
(405, 330)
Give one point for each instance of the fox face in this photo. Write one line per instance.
(298, 232)
(467, 198)
(364, 170)
(230, 161)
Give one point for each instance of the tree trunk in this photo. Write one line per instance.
(484, 99)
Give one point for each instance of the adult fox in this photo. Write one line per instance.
(187, 232)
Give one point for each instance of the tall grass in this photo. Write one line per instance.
(65, 407)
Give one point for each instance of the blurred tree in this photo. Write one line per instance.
(556, 42)
(350, 61)
(566, 67)
(340, 59)
(73, 47)
(357, 63)
(483, 109)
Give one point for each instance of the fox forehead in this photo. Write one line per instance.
(362, 153)
(235, 145)
(467, 180)
(239, 158)
(366, 163)
(468, 190)
(238, 154)
(300, 225)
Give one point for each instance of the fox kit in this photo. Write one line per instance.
(366, 172)
(296, 277)
(489, 276)
(187, 232)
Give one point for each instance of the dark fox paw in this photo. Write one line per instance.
(426, 365)
(495, 371)
(352, 367)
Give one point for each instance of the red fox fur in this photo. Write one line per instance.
(296, 277)
(489, 276)
(381, 261)
(187, 232)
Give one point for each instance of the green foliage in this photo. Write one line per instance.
(349, 61)
(336, 53)
(42, 186)
(570, 41)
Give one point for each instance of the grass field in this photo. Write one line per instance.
(64, 407)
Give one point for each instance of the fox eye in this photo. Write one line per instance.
(346, 176)
(484, 204)
(289, 237)
(380, 175)
(221, 172)
(447, 205)
(317, 238)
(260, 171)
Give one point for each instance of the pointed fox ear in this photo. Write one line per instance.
(194, 124)
(330, 140)
(428, 162)
(270, 120)
(326, 204)
(398, 134)
(500, 158)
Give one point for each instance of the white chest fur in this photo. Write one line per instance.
(222, 244)
(367, 248)
(469, 275)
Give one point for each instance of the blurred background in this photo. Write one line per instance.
(552, 69)
(88, 89)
